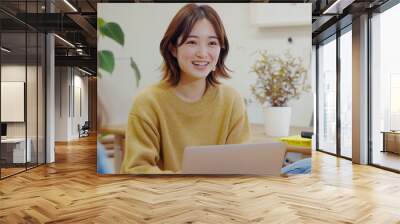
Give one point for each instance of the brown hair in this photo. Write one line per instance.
(182, 24)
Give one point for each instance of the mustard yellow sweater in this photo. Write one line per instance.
(161, 125)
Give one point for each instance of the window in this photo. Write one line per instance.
(346, 94)
(385, 88)
(327, 96)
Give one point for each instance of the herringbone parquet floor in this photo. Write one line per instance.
(70, 191)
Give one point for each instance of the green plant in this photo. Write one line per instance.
(106, 59)
(279, 79)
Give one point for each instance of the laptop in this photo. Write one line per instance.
(258, 159)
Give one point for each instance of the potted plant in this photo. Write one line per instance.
(279, 79)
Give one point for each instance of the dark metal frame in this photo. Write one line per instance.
(369, 90)
(338, 98)
(45, 90)
(317, 96)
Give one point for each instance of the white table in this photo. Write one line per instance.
(18, 149)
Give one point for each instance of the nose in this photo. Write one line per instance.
(201, 51)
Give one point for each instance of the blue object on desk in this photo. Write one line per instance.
(302, 166)
(103, 167)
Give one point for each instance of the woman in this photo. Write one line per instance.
(189, 106)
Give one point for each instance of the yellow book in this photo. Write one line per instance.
(296, 140)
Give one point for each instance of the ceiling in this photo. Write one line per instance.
(76, 23)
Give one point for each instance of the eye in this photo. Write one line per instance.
(190, 42)
(213, 43)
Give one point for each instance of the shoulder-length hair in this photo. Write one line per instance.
(181, 25)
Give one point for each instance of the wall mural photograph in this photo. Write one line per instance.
(215, 88)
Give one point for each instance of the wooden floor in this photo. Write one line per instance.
(10, 171)
(70, 191)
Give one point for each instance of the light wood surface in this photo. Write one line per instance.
(70, 191)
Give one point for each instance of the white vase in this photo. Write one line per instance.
(277, 121)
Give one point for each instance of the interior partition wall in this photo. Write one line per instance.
(334, 83)
(22, 76)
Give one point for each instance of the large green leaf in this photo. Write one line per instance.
(106, 61)
(136, 70)
(100, 23)
(113, 31)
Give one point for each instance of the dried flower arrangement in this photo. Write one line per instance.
(279, 79)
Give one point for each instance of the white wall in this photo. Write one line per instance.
(12, 73)
(143, 33)
(61, 103)
(80, 84)
(68, 80)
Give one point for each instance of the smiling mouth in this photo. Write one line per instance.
(200, 63)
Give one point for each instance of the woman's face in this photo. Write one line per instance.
(198, 55)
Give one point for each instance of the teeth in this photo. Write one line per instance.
(200, 63)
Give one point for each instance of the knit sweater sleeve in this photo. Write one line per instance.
(239, 127)
(142, 148)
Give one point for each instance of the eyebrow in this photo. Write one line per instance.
(195, 36)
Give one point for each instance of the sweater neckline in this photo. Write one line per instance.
(210, 93)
